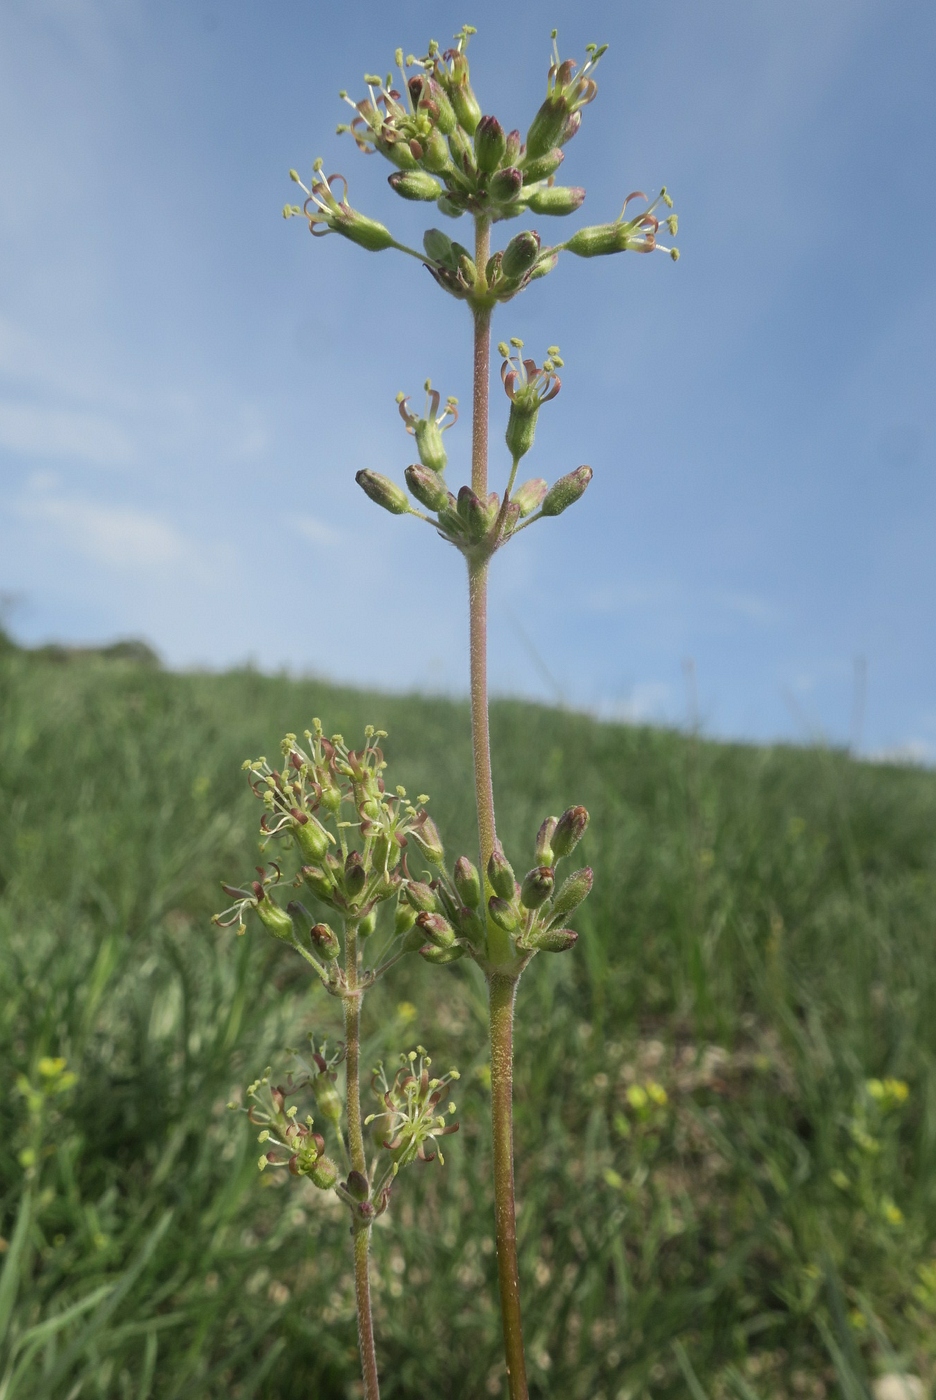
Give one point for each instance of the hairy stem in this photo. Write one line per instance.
(352, 1019)
(502, 987)
(502, 992)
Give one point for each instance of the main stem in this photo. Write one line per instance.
(501, 986)
(352, 1019)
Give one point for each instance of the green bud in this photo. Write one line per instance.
(429, 444)
(453, 206)
(440, 956)
(275, 920)
(325, 942)
(327, 1097)
(438, 930)
(467, 882)
(520, 254)
(324, 1174)
(473, 513)
(521, 429)
(547, 128)
(462, 150)
(415, 184)
(367, 233)
(357, 1185)
(569, 831)
(384, 491)
(554, 940)
(428, 489)
(427, 838)
(513, 148)
(555, 199)
(438, 246)
(421, 897)
(566, 491)
(537, 886)
(368, 924)
(571, 893)
(355, 876)
(470, 925)
(318, 882)
(500, 873)
(544, 264)
(505, 186)
(310, 838)
(541, 168)
(404, 919)
(490, 145)
(544, 850)
(432, 152)
(503, 914)
(397, 153)
(530, 495)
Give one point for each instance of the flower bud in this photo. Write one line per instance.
(461, 96)
(500, 873)
(513, 148)
(467, 882)
(544, 264)
(452, 205)
(421, 897)
(438, 246)
(427, 838)
(463, 153)
(566, 491)
(355, 876)
(357, 1185)
(571, 893)
(543, 167)
(325, 942)
(537, 886)
(274, 919)
(415, 184)
(327, 1097)
(490, 144)
(546, 129)
(544, 850)
(505, 185)
(438, 930)
(554, 940)
(520, 254)
(432, 153)
(440, 956)
(318, 882)
(472, 513)
(404, 919)
(555, 199)
(470, 925)
(384, 491)
(310, 837)
(503, 914)
(367, 233)
(324, 1174)
(429, 444)
(569, 831)
(530, 495)
(368, 924)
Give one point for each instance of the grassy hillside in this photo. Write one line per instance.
(726, 1127)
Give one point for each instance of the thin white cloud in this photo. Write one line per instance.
(116, 536)
(60, 432)
(316, 531)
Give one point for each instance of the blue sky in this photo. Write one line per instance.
(188, 384)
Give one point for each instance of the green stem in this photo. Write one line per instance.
(502, 991)
(502, 986)
(352, 1019)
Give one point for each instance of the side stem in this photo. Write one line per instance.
(352, 1019)
(502, 988)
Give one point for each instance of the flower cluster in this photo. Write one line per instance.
(479, 527)
(303, 1151)
(330, 804)
(458, 914)
(428, 124)
(411, 1115)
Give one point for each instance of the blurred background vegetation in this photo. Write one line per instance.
(726, 1095)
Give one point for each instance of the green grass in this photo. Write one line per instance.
(759, 945)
